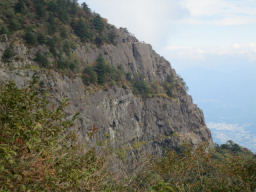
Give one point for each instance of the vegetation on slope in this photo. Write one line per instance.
(200, 169)
(58, 24)
(38, 150)
(103, 74)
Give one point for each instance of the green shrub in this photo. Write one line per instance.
(102, 73)
(198, 170)
(67, 48)
(51, 25)
(30, 38)
(41, 38)
(40, 9)
(3, 30)
(82, 30)
(67, 64)
(98, 23)
(51, 42)
(15, 24)
(63, 33)
(73, 65)
(102, 69)
(62, 64)
(41, 60)
(85, 8)
(38, 150)
(89, 76)
(112, 37)
(170, 89)
(20, 6)
(98, 41)
(141, 87)
(8, 54)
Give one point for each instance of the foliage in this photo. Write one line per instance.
(41, 39)
(40, 8)
(30, 37)
(20, 6)
(63, 63)
(98, 41)
(51, 42)
(3, 30)
(85, 7)
(102, 69)
(8, 54)
(67, 48)
(141, 87)
(98, 23)
(53, 23)
(199, 170)
(82, 30)
(102, 73)
(38, 151)
(112, 37)
(41, 60)
(89, 75)
(14, 24)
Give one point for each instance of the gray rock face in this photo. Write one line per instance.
(140, 126)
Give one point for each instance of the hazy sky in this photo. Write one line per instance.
(211, 44)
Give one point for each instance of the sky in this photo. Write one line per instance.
(211, 44)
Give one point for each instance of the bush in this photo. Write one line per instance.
(30, 38)
(20, 6)
(141, 87)
(52, 26)
(38, 150)
(82, 30)
(67, 48)
(41, 38)
(102, 73)
(197, 170)
(73, 65)
(85, 8)
(102, 69)
(40, 9)
(3, 30)
(15, 24)
(98, 41)
(8, 54)
(112, 37)
(89, 76)
(62, 64)
(67, 64)
(41, 60)
(98, 23)
(51, 42)
(170, 89)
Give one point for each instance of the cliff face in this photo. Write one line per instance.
(138, 125)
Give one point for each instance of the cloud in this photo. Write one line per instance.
(148, 19)
(222, 132)
(156, 21)
(189, 53)
(220, 12)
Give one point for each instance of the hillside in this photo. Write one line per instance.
(85, 106)
(121, 87)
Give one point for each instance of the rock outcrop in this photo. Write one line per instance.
(134, 124)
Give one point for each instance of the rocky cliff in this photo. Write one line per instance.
(131, 124)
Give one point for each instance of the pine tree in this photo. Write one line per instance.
(98, 23)
(101, 69)
(20, 6)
